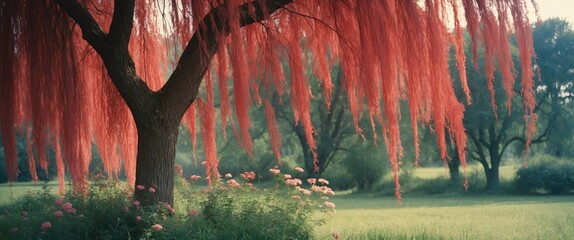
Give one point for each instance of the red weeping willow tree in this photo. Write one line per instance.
(75, 73)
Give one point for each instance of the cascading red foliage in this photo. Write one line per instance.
(389, 51)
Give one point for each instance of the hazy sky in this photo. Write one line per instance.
(555, 8)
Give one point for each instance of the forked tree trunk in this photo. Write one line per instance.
(156, 160)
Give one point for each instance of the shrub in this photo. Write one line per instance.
(365, 167)
(230, 209)
(547, 175)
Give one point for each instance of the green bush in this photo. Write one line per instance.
(546, 175)
(365, 167)
(229, 209)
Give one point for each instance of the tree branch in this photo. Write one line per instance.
(91, 31)
(183, 85)
(122, 23)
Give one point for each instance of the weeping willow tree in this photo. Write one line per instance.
(83, 72)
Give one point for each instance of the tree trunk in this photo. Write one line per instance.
(155, 166)
(453, 167)
(492, 174)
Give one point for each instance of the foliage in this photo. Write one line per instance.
(547, 175)
(228, 210)
(364, 166)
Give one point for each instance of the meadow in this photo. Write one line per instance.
(443, 216)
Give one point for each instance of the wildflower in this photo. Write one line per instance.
(171, 209)
(290, 183)
(136, 202)
(228, 175)
(274, 171)
(59, 201)
(329, 204)
(46, 225)
(325, 198)
(193, 212)
(306, 192)
(139, 218)
(14, 230)
(151, 189)
(287, 176)
(99, 176)
(70, 210)
(316, 188)
(323, 181)
(157, 227)
(205, 190)
(204, 163)
(232, 183)
(66, 205)
(298, 181)
(24, 214)
(335, 235)
(299, 169)
(311, 181)
(140, 187)
(178, 169)
(58, 213)
(295, 197)
(194, 177)
(248, 176)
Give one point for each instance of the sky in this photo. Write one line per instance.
(555, 8)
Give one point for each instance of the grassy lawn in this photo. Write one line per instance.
(14, 190)
(507, 172)
(452, 217)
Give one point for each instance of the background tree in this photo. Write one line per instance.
(493, 132)
(554, 47)
(64, 86)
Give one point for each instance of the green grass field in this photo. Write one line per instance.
(452, 217)
(506, 172)
(458, 216)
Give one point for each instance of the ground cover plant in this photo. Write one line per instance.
(230, 209)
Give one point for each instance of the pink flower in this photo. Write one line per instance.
(323, 181)
(311, 181)
(157, 227)
(139, 218)
(140, 187)
(228, 175)
(24, 214)
(204, 163)
(178, 169)
(59, 201)
(290, 182)
(194, 177)
(70, 210)
(306, 192)
(205, 190)
(274, 171)
(248, 176)
(66, 205)
(46, 225)
(14, 230)
(329, 204)
(299, 169)
(151, 189)
(232, 183)
(193, 212)
(297, 181)
(287, 176)
(58, 214)
(136, 202)
(335, 235)
(295, 197)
